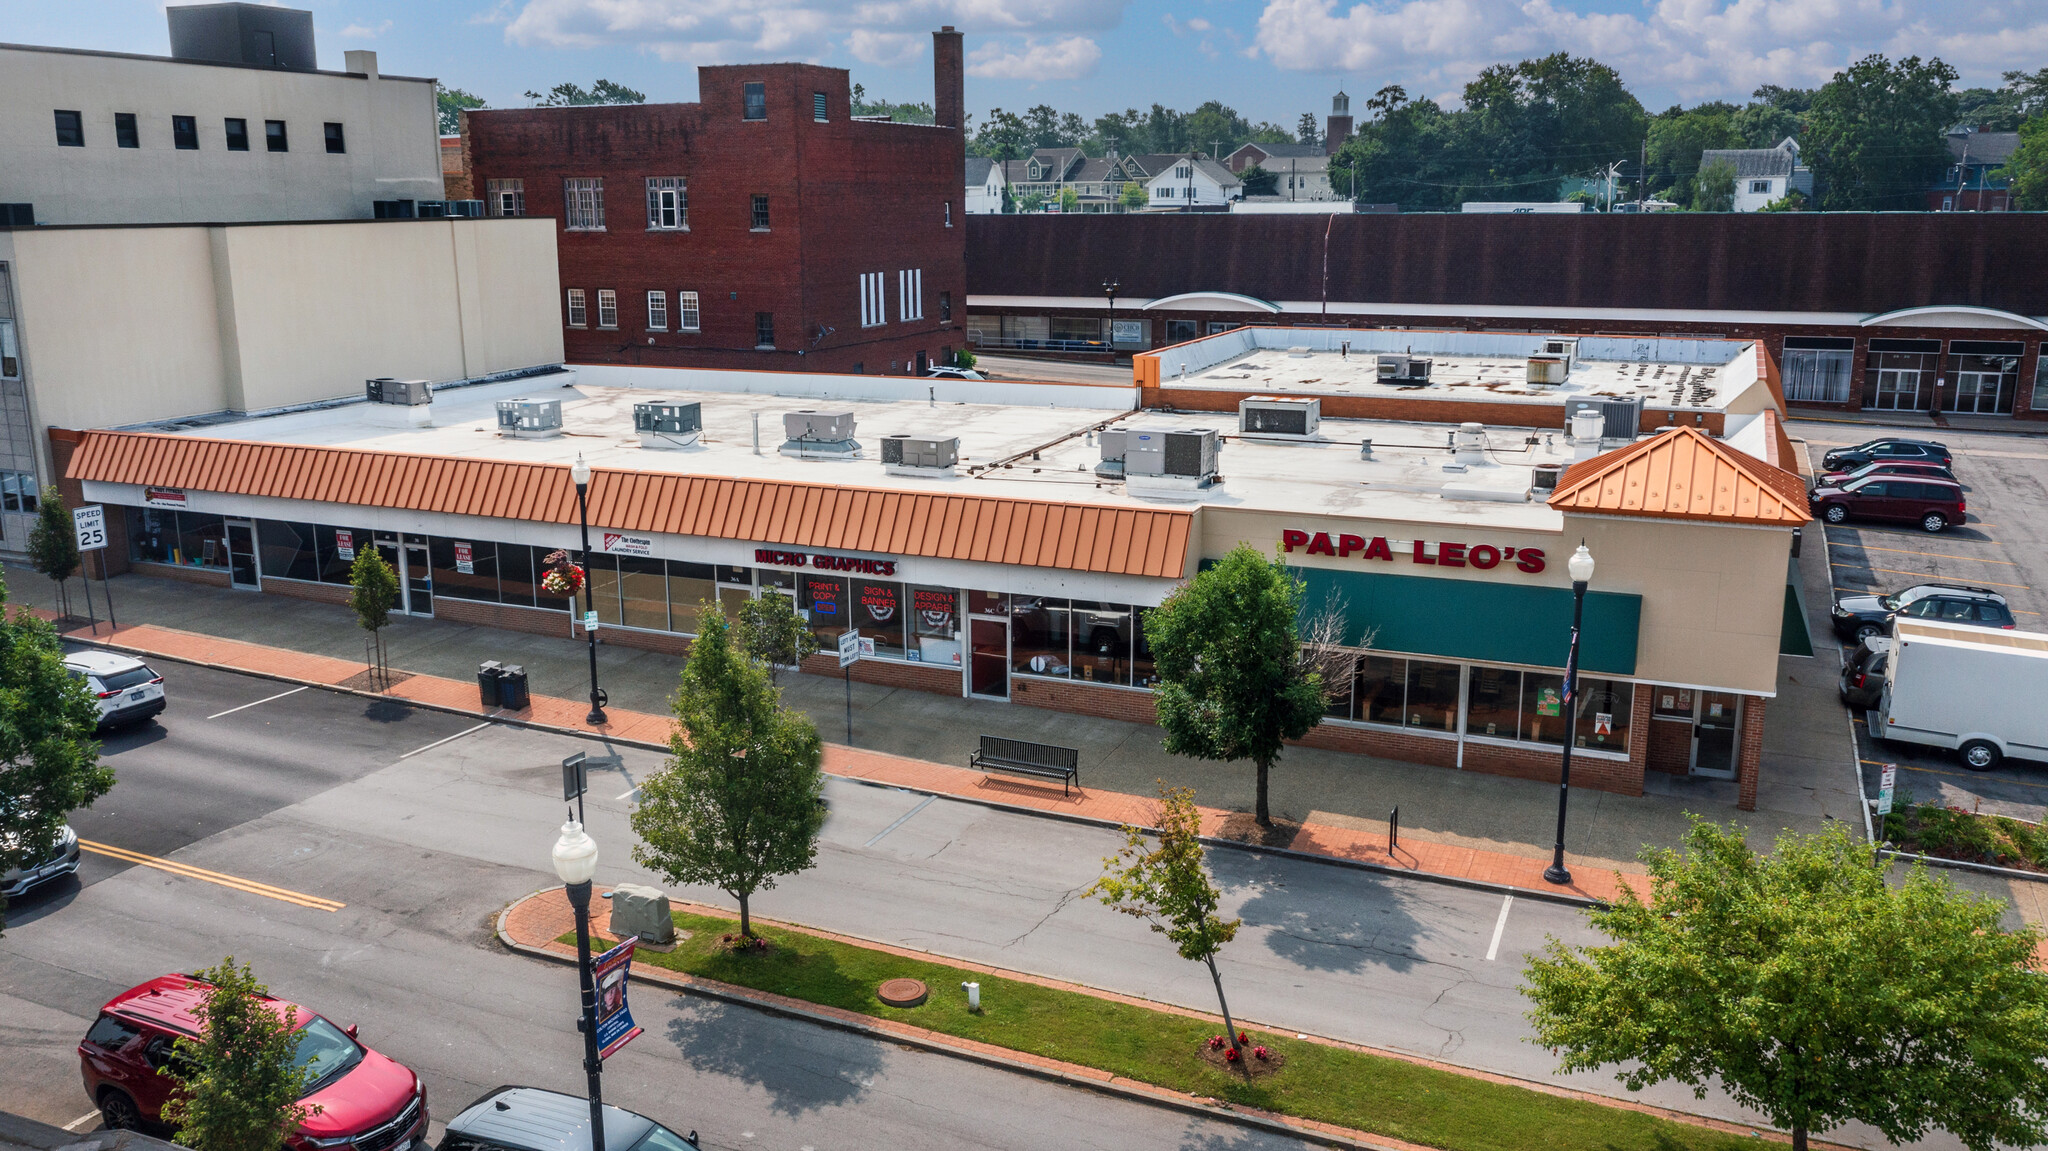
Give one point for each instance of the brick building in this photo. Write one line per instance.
(760, 228)
(1934, 312)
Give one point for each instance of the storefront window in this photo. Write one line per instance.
(287, 550)
(1382, 688)
(1432, 695)
(690, 587)
(936, 616)
(202, 540)
(604, 590)
(338, 550)
(448, 557)
(1144, 672)
(643, 591)
(1604, 707)
(152, 533)
(1543, 708)
(824, 597)
(1494, 706)
(736, 587)
(1039, 629)
(880, 615)
(1102, 642)
(516, 575)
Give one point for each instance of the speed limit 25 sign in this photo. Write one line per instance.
(91, 522)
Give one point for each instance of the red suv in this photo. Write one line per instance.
(365, 1101)
(1933, 504)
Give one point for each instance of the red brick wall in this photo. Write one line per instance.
(845, 198)
(1133, 705)
(937, 678)
(1750, 764)
(211, 577)
(534, 621)
(1670, 747)
(299, 589)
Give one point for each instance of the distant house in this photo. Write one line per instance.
(1763, 174)
(984, 187)
(1097, 182)
(1264, 155)
(1975, 181)
(1183, 183)
(1304, 177)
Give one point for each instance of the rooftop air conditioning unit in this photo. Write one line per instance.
(1279, 416)
(394, 209)
(1620, 416)
(1112, 465)
(1404, 369)
(813, 434)
(431, 209)
(668, 425)
(1187, 454)
(1544, 479)
(1567, 347)
(385, 390)
(525, 419)
(906, 455)
(1549, 369)
(467, 209)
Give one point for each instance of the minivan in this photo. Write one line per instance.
(1933, 504)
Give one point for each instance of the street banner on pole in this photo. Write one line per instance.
(614, 1019)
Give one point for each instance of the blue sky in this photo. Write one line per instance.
(1270, 59)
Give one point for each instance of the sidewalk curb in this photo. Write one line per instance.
(1128, 1090)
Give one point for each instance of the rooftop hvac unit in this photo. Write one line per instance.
(810, 433)
(385, 390)
(920, 455)
(467, 209)
(668, 425)
(1567, 347)
(1545, 478)
(430, 209)
(1187, 454)
(394, 209)
(1620, 416)
(1112, 465)
(1278, 416)
(1549, 369)
(1404, 369)
(530, 419)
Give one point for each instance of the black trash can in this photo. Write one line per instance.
(512, 694)
(487, 675)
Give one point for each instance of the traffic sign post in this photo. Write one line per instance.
(575, 781)
(90, 522)
(849, 654)
(1885, 780)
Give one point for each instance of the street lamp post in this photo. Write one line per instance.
(576, 862)
(1581, 568)
(580, 472)
(1109, 288)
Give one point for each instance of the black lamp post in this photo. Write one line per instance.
(575, 863)
(580, 472)
(1109, 288)
(1581, 568)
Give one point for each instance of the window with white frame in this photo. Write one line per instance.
(583, 204)
(505, 197)
(1184, 172)
(686, 312)
(874, 304)
(1760, 187)
(607, 308)
(668, 204)
(577, 312)
(1163, 192)
(657, 311)
(910, 294)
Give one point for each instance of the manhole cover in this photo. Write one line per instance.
(902, 992)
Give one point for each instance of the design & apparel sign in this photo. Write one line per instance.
(822, 562)
(1437, 553)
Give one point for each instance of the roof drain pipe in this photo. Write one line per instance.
(757, 433)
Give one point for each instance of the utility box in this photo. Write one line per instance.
(1548, 370)
(918, 455)
(639, 910)
(385, 390)
(668, 425)
(1279, 416)
(813, 434)
(1190, 453)
(1620, 416)
(1405, 369)
(530, 419)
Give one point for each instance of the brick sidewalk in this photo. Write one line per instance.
(1413, 856)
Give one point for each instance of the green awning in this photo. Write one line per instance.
(1792, 637)
(1478, 620)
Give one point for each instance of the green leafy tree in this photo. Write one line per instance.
(2026, 172)
(1715, 190)
(49, 761)
(1678, 136)
(1258, 181)
(1070, 200)
(1134, 196)
(450, 104)
(237, 1086)
(1031, 202)
(53, 544)
(1812, 989)
(2027, 92)
(1772, 114)
(900, 113)
(1875, 136)
(572, 95)
(1792, 201)
(1166, 883)
(1003, 136)
(769, 629)
(740, 802)
(1307, 131)
(373, 592)
(1233, 684)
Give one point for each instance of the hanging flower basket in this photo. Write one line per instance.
(562, 579)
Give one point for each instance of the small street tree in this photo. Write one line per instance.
(1232, 684)
(53, 544)
(768, 629)
(237, 1086)
(1166, 883)
(1134, 196)
(739, 803)
(1715, 191)
(1814, 990)
(49, 761)
(373, 593)
(1070, 200)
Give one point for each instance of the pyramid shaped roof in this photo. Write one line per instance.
(1683, 474)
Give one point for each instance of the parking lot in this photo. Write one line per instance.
(2003, 547)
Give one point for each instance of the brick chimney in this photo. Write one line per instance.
(949, 79)
(1337, 128)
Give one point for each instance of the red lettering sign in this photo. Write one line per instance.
(824, 562)
(1435, 553)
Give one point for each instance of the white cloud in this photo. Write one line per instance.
(1684, 49)
(880, 32)
(1067, 58)
(365, 31)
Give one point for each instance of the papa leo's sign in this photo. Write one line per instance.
(1437, 553)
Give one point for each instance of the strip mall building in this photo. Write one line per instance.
(1433, 516)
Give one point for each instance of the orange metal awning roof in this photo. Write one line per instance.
(985, 529)
(1683, 474)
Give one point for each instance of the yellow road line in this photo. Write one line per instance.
(188, 871)
(1938, 771)
(1936, 555)
(1925, 575)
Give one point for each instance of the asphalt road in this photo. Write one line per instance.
(2004, 547)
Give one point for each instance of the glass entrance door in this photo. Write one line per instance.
(242, 554)
(989, 673)
(1715, 739)
(418, 577)
(1976, 392)
(1898, 389)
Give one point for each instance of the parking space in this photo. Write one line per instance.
(2003, 548)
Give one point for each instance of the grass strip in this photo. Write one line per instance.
(1353, 1089)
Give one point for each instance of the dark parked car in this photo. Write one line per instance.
(1888, 448)
(1931, 503)
(1858, 617)
(1907, 468)
(1863, 674)
(530, 1119)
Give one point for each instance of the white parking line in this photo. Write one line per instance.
(439, 742)
(627, 795)
(82, 1120)
(245, 707)
(1499, 925)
